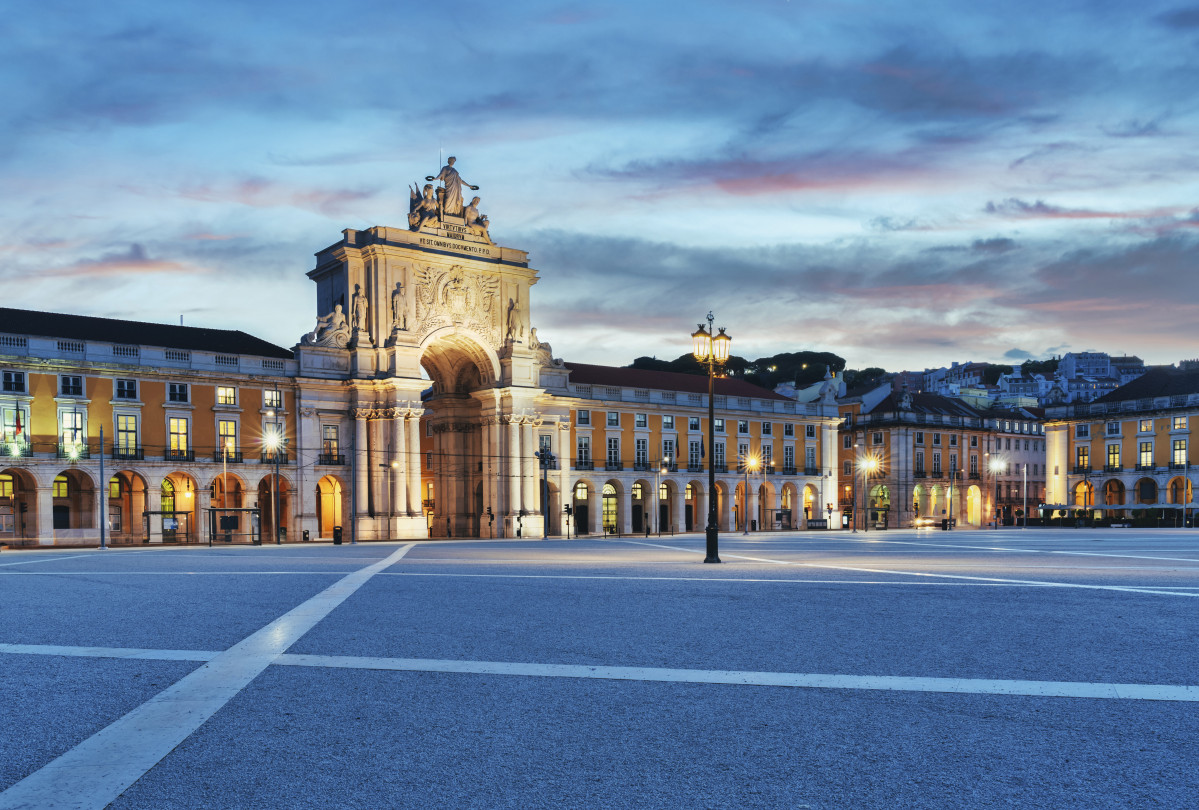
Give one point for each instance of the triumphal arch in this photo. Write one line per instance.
(425, 378)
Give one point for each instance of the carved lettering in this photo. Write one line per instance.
(436, 243)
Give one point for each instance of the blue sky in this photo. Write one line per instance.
(902, 184)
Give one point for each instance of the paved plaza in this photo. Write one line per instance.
(1010, 668)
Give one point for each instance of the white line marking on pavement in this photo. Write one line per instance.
(976, 686)
(859, 570)
(47, 559)
(109, 652)
(95, 772)
(892, 683)
(1022, 550)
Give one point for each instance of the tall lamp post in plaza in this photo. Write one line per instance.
(712, 351)
(996, 466)
(869, 466)
(275, 443)
(747, 464)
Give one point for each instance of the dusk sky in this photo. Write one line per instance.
(904, 184)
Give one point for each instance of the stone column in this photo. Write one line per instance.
(530, 502)
(595, 504)
(699, 515)
(679, 517)
(45, 515)
(399, 473)
(514, 505)
(414, 465)
(154, 534)
(751, 505)
(624, 511)
(360, 462)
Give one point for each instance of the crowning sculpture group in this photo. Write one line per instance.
(436, 206)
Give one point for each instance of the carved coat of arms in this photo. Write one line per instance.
(455, 297)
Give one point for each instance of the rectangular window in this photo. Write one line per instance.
(953, 440)
(641, 453)
(178, 431)
(583, 417)
(1113, 455)
(13, 382)
(1113, 428)
(272, 398)
(767, 456)
(668, 422)
(330, 440)
(227, 431)
(789, 457)
(919, 437)
(544, 443)
(809, 431)
(1083, 455)
(72, 427)
(62, 487)
(936, 463)
(788, 429)
(614, 451)
(694, 454)
(974, 441)
(226, 395)
(718, 454)
(692, 423)
(743, 427)
(1145, 455)
(613, 419)
(810, 459)
(847, 441)
(641, 420)
(936, 440)
(974, 464)
(1007, 444)
(718, 425)
(767, 429)
(919, 461)
(126, 443)
(743, 454)
(177, 392)
(953, 462)
(71, 385)
(1145, 426)
(126, 389)
(876, 437)
(847, 469)
(1082, 432)
(583, 449)
(114, 517)
(668, 454)
(1180, 423)
(114, 487)
(1180, 452)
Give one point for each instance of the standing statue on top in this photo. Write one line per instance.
(451, 193)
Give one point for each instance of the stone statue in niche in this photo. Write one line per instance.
(399, 314)
(331, 330)
(451, 191)
(359, 309)
(421, 208)
(511, 333)
(476, 222)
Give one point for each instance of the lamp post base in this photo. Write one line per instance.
(713, 555)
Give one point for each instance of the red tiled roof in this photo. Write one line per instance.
(587, 374)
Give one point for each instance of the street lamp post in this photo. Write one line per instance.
(996, 465)
(1025, 496)
(275, 443)
(853, 506)
(869, 465)
(747, 464)
(712, 351)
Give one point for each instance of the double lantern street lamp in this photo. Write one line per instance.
(713, 351)
(997, 466)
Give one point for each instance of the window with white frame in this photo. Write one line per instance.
(613, 419)
(876, 437)
(936, 463)
(583, 450)
(919, 437)
(692, 423)
(668, 454)
(847, 441)
(694, 454)
(789, 458)
(767, 429)
(71, 427)
(718, 425)
(126, 389)
(227, 437)
(809, 431)
(1113, 428)
(953, 440)
(767, 456)
(614, 451)
(1081, 432)
(70, 385)
(667, 422)
(226, 395)
(178, 434)
(1145, 455)
(743, 427)
(1180, 423)
(126, 440)
(788, 429)
(12, 382)
(177, 392)
(809, 459)
(936, 440)
(1180, 452)
(1145, 426)
(641, 452)
(272, 398)
(718, 457)
(583, 417)
(919, 463)
(641, 420)
(743, 454)
(330, 440)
